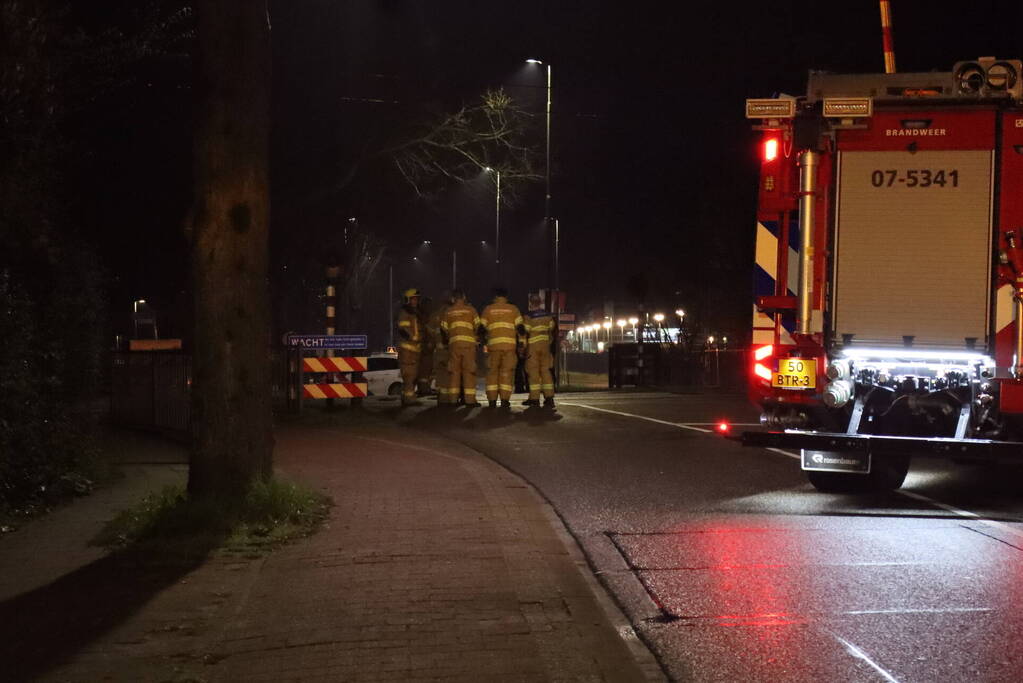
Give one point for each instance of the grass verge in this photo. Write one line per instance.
(169, 526)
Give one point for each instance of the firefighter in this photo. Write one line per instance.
(440, 350)
(458, 330)
(410, 330)
(424, 378)
(501, 323)
(539, 359)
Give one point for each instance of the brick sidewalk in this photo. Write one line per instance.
(436, 564)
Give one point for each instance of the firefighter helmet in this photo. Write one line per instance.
(410, 294)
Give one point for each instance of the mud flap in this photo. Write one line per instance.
(857, 462)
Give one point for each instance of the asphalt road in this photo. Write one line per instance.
(732, 567)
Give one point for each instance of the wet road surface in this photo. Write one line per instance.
(732, 567)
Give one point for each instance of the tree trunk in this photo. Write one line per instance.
(232, 433)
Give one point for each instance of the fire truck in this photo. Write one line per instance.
(888, 320)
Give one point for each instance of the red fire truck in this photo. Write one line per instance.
(888, 320)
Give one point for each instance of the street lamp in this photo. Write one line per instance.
(633, 321)
(659, 318)
(621, 329)
(547, 175)
(135, 317)
(497, 223)
(607, 329)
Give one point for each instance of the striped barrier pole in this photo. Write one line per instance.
(886, 37)
(333, 271)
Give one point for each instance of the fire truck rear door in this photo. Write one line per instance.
(913, 247)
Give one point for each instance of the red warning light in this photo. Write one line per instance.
(724, 427)
(770, 149)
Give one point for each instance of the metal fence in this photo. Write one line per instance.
(151, 390)
(667, 365)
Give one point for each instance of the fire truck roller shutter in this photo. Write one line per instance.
(913, 247)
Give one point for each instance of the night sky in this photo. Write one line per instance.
(654, 165)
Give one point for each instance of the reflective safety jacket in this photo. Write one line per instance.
(433, 327)
(539, 327)
(459, 322)
(501, 320)
(410, 331)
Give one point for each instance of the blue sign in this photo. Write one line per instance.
(329, 341)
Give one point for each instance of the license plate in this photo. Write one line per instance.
(796, 373)
(829, 461)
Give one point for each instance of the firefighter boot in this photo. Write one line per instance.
(532, 402)
(549, 402)
(505, 403)
(491, 404)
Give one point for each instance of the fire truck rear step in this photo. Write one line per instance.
(981, 450)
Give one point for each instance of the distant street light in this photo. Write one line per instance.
(135, 317)
(621, 329)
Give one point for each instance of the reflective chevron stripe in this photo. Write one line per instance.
(345, 364)
(339, 390)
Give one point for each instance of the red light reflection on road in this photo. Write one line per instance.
(759, 595)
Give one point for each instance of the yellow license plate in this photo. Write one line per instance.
(796, 373)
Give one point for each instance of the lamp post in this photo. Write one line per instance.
(497, 228)
(135, 316)
(549, 220)
(634, 322)
(497, 222)
(659, 318)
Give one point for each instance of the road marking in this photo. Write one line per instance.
(936, 610)
(787, 454)
(964, 513)
(680, 425)
(910, 494)
(938, 504)
(860, 654)
(715, 424)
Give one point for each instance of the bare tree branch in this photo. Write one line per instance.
(492, 134)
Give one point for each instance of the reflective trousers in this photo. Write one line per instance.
(538, 368)
(501, 373)
(408, 366)
(440, 371)
(462, 370)
(426, 370)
